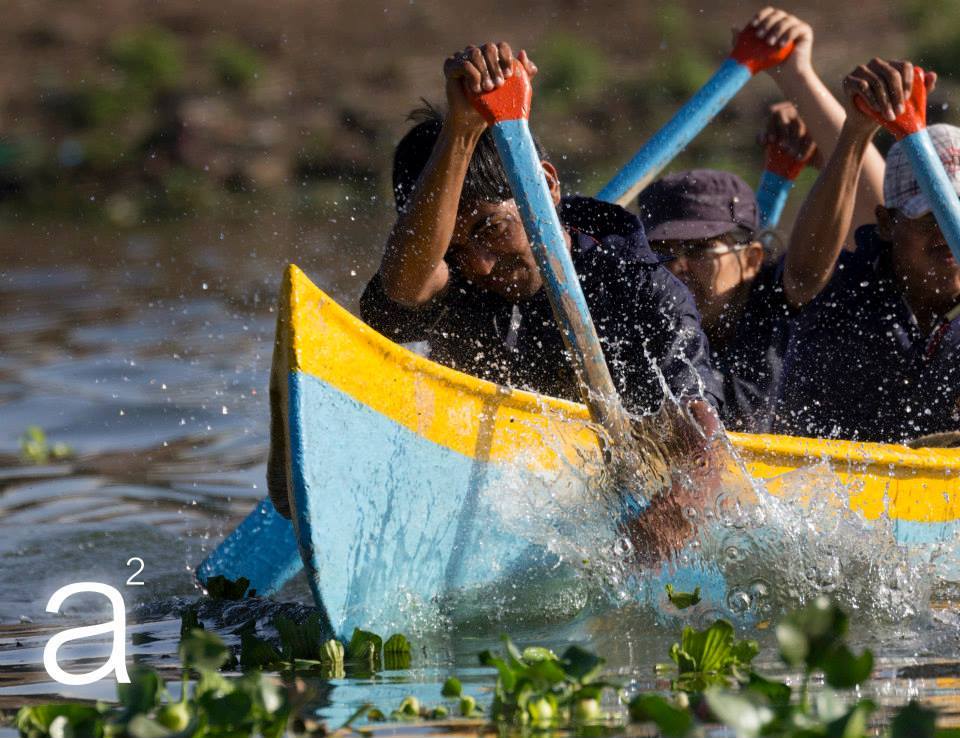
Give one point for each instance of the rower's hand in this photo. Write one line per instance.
(778, 28)
(884, 85)
(478, 69)
(786, 129)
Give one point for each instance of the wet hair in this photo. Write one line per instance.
(486, 180)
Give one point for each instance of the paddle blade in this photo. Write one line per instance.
(756, 54)
(913, 118)
(510, 101)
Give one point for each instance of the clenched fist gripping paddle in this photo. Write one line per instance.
(749, 56)
(910, 128)
(507, 110)
(780, 169)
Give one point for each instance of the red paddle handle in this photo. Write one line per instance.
(913, 118)
(756, 54)
(510, 101)
(780, 161)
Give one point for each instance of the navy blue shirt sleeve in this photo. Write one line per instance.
(667, 346)
(685, 362)
(751, 361)
(398, 323)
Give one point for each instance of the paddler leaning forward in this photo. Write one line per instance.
(458, 272)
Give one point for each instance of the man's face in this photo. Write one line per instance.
(491, 249)
(921, 257)
(712, 269)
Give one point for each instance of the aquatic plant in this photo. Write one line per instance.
(216, 707)
(682, 600)
(535, 689)
(305, 646)
(711, 657)
(36, 449)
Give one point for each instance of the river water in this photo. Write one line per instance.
(148, 354)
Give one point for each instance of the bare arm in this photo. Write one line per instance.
(413, 269)
(824, 219)
(821, 111)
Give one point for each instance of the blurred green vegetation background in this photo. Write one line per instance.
(131, 112)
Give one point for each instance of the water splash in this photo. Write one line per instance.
(756, 548)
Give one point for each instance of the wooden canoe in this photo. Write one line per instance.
(402, 472)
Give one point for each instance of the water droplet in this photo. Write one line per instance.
(623, 547)
(738, 601)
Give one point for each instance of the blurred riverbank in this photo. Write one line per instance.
(132, 113)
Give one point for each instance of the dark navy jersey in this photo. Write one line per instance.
(859, 366)
(751, 361)
(646, 319)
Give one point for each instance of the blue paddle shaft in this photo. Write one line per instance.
(530, 190)
(934, 183)
(772, 195)
(670, 140)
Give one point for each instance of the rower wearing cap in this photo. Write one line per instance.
(704, 223)
(875, 351)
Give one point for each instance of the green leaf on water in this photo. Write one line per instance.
(854, 723)
(332, 652)
(190, 620)
(468, 706)
(357, 714)
(807, 636)
(546, 672)
(409, 707)
(514, 655)
(507, 677)
(175, 716)
(142, 693)
(706, 650)
(221, 588)
(38, 718)
(364, 646)
(777, 693)
(670, 720)
(914, 721)
(201, 650)
(537, 653)
(142, 726)
(843, 670)
(226, 711)
(396, 652)
(256, 653)
(452, 688)
(744, 652)
(300, 640)
(580, 664)
(36, 449)
(746, 712)
(683, 600)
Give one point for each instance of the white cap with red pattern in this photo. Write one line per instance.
(901, 189)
